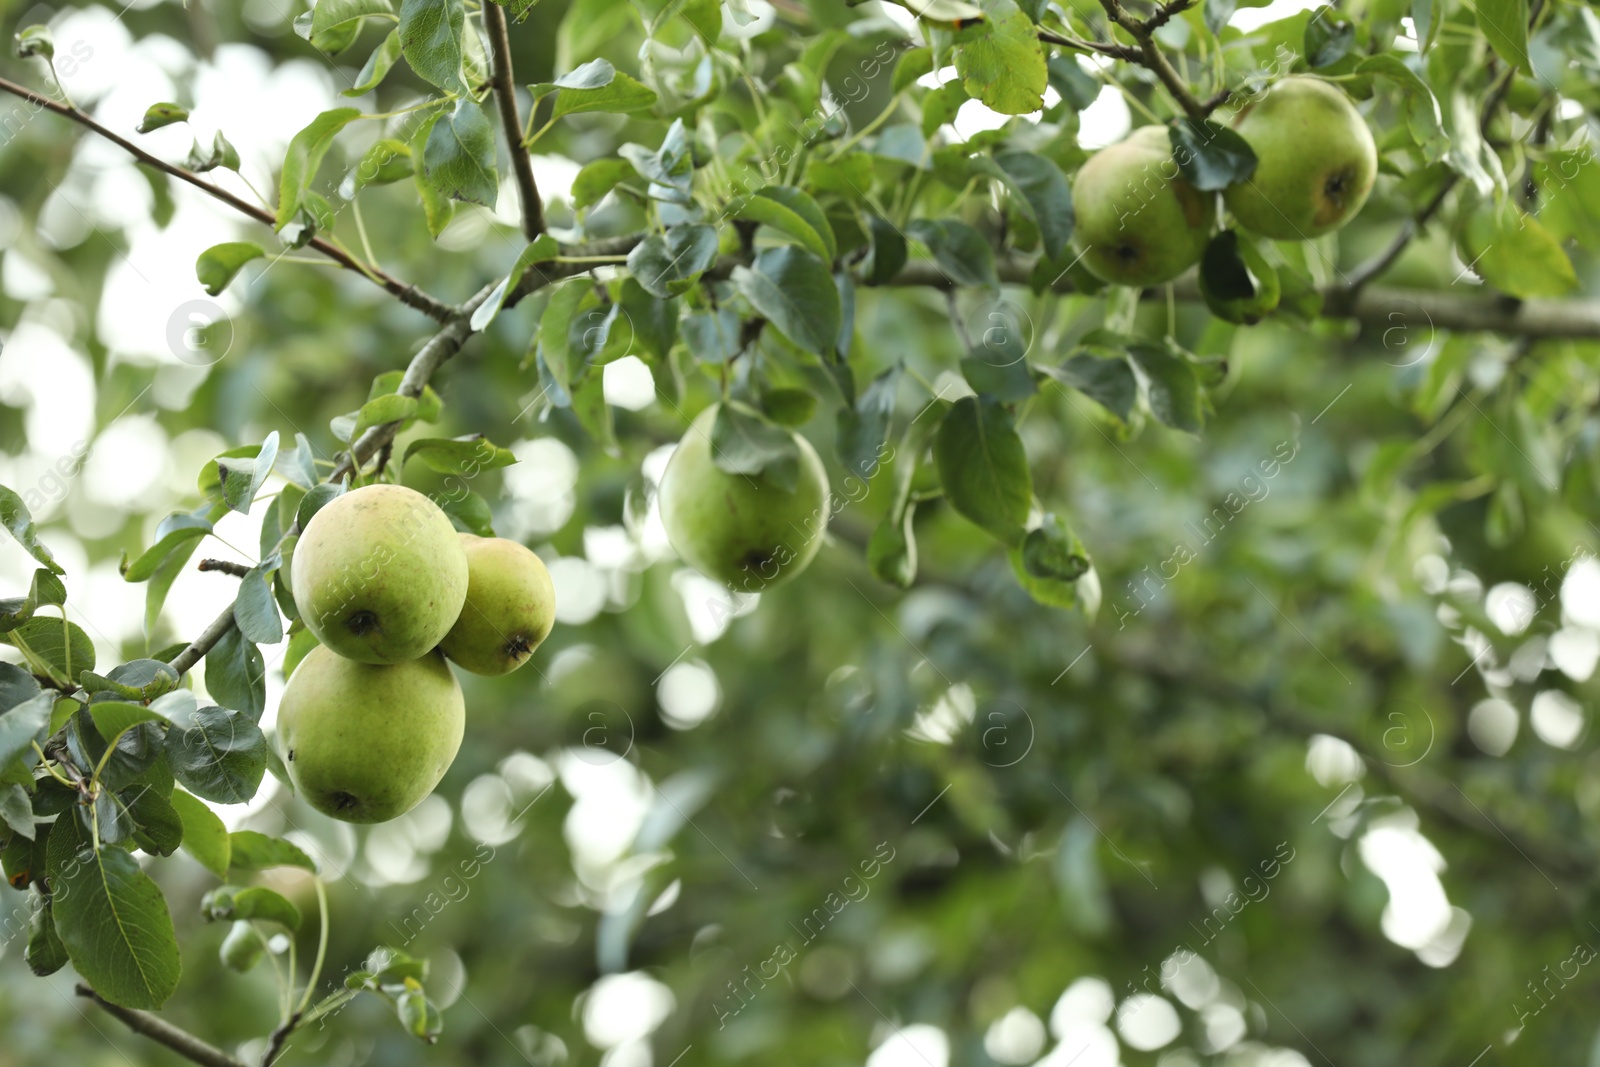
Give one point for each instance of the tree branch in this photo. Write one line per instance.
(1414, 310)
(505, 92)
(1115, 51)
(1152, 57)
(238, 570)
(159, 1030)
(1375, 266)
(409, 295)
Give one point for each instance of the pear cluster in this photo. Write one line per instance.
(1140, 223)
(372, 718)
(748, 531)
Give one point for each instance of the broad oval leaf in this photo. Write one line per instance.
(221, 757)
(112, 919)
(791, 211)
(218, 264)
(459, 160)
(432, 38)
(668, 264)
(254, 851)
(793, 290)
(1209, 156)
(205, 837)
(983, 467)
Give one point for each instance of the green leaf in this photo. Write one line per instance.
(669, 264)
(255, 611)
(469, 512)
(1210, 157)
(862, 430)
(1236, 281)
(669, 169)
(983, 467)
(791, 211)
(60, 644)
(220, 757)
(161, 580)
(252, 851)
(35, 40)
(432, 36)
(962, 253)
(1173, 391)
(222, 154)
(1042, 192)
(113, 718)
(236, 675)
(463, 456)
(598, 178)
(554, 326)
(230, 903)
(112, 919)
(45, 953)
(793, 290)
(391, 407)
(460, 156)
(892, 549)
(789, 407)
(159, 115)
(437, 209)
(305, 154)
(17, 686)
(386, 162)
(912, 64)
(712, 337)
(1505, 24)
(1514, 253)
(218, 264)
(1001, 61)
(1423, 117)
(136, 681)
(331, 15)
(175, 530)
(243, 476)
(1052, 551)
(315, 500)
(16, 809)
(157, 827)
(45, 589)
(595, 86)
(377, 66)
(1328, 37)
(204, 835)
(887, 256)
(743, 441)
(539, 250)
(14, 515)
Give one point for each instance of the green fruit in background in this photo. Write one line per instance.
(1138, 222)
(366, 743)
(1315, 161)
(379, 574)
(510, 607)
(242, 948)
(745, 531)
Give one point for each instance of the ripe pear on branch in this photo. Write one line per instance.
(510, 607)
(1138, 222)
(364, 742)
(1315, 161)
(379, 574)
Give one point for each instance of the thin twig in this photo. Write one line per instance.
(409, 295)
(275, 1042)
(1375, 266)
(238, 570)
(159, 1030)
(1116, 51)
(505, 92)
(1154, 58)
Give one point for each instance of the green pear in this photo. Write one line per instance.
(379, 575)
(1138, 222)
(510, 608)
(1315, 161)
(366, 743)
(747, 532)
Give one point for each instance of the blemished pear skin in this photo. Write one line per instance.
(1315, 161)
(1138, 222)
(747, 532)
(509, 611)
(366, 743)
(379, 575)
